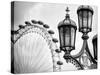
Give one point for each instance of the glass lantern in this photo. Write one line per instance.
(67, 33)
(85, 14)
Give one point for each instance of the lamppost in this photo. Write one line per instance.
(67, 34)
(85, 14)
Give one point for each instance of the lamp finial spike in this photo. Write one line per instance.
(67, 10)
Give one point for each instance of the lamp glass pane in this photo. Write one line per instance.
(61, 35)
(80, 19)
(89, 19)
(85, 19)
(67, 36)
(72, 37)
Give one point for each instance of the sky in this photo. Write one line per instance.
(52, 14)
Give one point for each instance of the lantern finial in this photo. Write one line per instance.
(67, 10)
(67, 15)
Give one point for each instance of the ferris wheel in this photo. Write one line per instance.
(35, 50)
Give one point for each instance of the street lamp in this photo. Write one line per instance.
(67, 34)
(85, 14)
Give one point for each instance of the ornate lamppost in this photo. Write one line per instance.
(85, 14)
(67, 33)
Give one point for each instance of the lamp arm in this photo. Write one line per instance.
(81, 67)
(85, 46)
(74, 61)
(81, 52)
(78, 54)
(92, 59)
